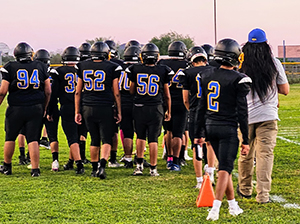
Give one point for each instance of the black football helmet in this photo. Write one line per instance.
(149, 53)
(85, 51)
(227, 51)
(113, 48)
(70, 54)
(132, 54)
(100, 51)
(209, 51)
(196, 52)
(23, 52)
(177, 49)
(43, 56)
(132, 43)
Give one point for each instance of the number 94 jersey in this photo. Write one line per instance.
(26, 82)
(149, 82)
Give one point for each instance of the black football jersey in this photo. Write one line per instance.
(190, 80)
(174, 85)
(27, 80)
(149, 82)
(64, 81)
(124, 86)
(118, 61)
(223, 100)
(98, 78)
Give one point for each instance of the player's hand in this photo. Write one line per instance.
(167, 116)
(118, 118)
(45, 113)
(199, 141)
(78, 118)
(245, 150)
(49, 118)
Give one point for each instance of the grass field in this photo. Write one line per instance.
(64, 197)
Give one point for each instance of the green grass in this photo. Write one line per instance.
(64, 197)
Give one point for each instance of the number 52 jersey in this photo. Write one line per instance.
(149, 82)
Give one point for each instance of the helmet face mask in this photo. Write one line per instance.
(177, 49)
(23, 52)
(70, 55)
(149, 53)
(100, 51)
(227, 52)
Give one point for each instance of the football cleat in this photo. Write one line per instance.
(101, 173)
(94, 173)
(114, 164)
(69, 166)
(186, 156)
(169, 164)
(175, 167)
(213, 215)
(235, 210)
(22, 160)
(45, 143)
(35, 172)
(128, 165)
(138, 170)
(86, 161)
(154, 173)
(55, 166)
(5, 170)
(79, 171)
(183, 162)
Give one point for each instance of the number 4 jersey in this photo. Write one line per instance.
(149, 82)
(26, 82)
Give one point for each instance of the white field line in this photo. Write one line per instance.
(288, 140)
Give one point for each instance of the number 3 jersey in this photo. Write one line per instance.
(64, 81)
(26, 82)
(149, 82)
(97, 81)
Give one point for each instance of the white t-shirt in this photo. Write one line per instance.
(267, 111)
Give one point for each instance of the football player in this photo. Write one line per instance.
(98, 86)
(210, 55)
(175, 128)
(114, 58)
(28, 85)
(132, 43)
(223, 105)
(191, 93)
(131, 56)
(85, 54)
(149, 83)
(63, 88)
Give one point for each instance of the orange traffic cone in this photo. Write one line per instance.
(206, 195)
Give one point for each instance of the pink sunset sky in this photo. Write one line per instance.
(57, 24)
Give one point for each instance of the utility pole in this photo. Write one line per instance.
(215, 20)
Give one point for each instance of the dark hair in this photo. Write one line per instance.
(259, 66)
(199, 59)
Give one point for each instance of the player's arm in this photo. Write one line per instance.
(132, 88)
(117, 96)
(77, 98)
(185, 95)
(3, 90)
(283, 88)
(47, 91)
(167, 98)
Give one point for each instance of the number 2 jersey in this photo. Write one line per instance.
(97, 81)
(174, 85)
(26, 82)
(149, 82)
(223, 101)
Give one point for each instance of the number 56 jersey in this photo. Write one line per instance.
(26, 82)
(149, 82)
(97, 81)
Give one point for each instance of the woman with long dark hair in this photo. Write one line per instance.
(268, 79)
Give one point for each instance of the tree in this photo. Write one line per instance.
(55, 57)
(6, 58)
(164, 40)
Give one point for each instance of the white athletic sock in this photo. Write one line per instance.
(216, 205)
(232, 203)
(128, 159)
(210, 169)
(199, 179)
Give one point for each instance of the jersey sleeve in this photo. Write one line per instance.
(54, 91)
(117, 72)
(169, 75)
(5, 73)
(183, 79)
(79, 70)
(131, 73)
(243, 88)
(281, 77)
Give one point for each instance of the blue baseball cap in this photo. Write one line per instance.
(257, 36)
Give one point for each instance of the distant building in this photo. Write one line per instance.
(292, 53)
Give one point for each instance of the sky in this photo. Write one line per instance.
(57, 24)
